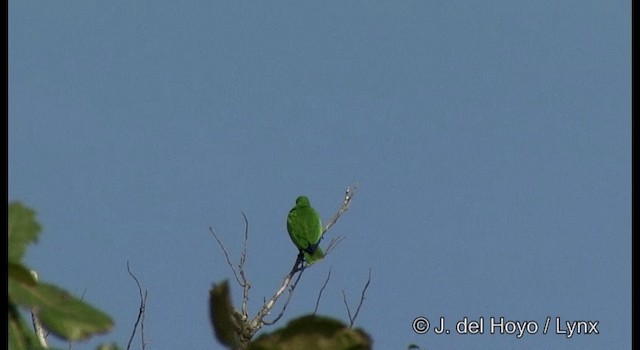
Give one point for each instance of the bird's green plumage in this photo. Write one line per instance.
(305, 229)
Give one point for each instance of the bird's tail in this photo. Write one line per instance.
(317, 254)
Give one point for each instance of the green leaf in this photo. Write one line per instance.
(313, 333)
(61, 313)
(221, 311)
(21, 274)
(20, 335)
(23, 229)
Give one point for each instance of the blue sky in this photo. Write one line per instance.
(490, 140)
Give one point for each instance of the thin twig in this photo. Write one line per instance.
(143, 302)
(344, 298)
(243, 259)
(70, 343)
(333, 244)
(226, 255)
(321, 290)
(361, 299)
(352, 320)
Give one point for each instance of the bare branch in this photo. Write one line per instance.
(226, 255)
(250, 328)
(364, 290)
(41, 333)
(352, 320)
(333, 244)
(143, 305)
(141, 312)
(346, 202)
(258, 321)
(286, 302)
(344, 298)
(243, 258)
(321, 290)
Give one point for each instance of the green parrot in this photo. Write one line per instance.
(305, 229)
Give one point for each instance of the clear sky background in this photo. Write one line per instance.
(490, 140)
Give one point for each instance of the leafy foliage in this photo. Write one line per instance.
(61, 313)
(72, 319)
(20, 337)
(220, 312)
(314, 333)
(23, 229)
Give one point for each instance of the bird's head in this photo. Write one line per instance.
(302, 201)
